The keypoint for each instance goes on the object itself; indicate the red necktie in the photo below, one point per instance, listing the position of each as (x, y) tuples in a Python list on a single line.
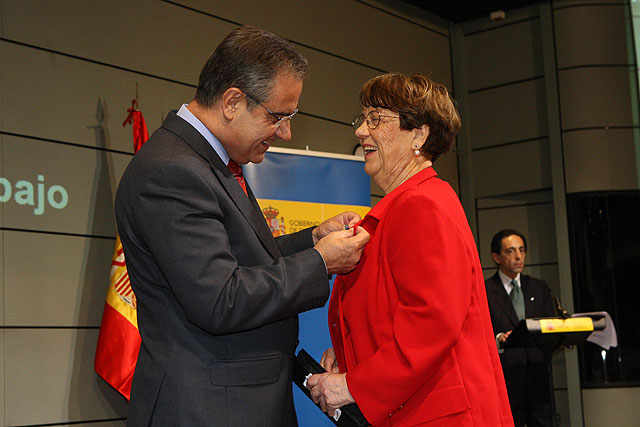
[(236, 170)]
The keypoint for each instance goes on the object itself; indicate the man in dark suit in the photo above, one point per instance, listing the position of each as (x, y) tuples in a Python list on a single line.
[(513, 296), (218, 296)]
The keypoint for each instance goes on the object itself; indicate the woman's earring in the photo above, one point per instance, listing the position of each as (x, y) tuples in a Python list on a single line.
[(416, 152)]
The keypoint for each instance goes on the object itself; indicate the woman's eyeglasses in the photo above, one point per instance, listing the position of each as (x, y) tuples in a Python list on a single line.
[(372, 118)]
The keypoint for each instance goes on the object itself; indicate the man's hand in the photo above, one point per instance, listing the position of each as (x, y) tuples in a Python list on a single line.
[(330, 391), (502, 336), (329, 361), (336, 223), (341, 250)]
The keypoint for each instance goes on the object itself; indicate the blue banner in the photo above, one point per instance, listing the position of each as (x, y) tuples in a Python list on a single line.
[(297, 189)]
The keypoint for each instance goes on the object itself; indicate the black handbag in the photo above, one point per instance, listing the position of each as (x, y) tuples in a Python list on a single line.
[(303, 366)]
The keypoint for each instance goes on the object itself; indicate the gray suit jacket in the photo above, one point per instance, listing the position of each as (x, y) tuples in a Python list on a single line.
[(218, 297)]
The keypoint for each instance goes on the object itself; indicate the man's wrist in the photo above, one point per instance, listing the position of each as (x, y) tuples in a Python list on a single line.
[(323, 261), (314, 235)]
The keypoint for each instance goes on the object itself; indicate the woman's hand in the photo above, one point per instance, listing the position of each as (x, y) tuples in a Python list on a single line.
[(329, 361), (330, 391), (336, 223)]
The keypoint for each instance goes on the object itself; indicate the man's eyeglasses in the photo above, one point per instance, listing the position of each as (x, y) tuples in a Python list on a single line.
[(372, 118), (280, 118)]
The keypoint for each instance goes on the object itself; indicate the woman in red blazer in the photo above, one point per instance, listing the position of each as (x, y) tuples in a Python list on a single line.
[(410, 326)]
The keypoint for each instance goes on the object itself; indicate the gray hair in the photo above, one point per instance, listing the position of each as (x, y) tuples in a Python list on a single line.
[(248, 58)]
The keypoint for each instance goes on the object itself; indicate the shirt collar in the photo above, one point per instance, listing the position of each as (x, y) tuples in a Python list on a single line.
[(188, 116), (506, 281)]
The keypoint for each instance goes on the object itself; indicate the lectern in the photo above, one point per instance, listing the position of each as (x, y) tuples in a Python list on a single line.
[(550, 333)]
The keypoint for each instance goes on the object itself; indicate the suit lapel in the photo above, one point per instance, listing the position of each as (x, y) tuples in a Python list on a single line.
[(503, 300), (529, 298), (248, 206)]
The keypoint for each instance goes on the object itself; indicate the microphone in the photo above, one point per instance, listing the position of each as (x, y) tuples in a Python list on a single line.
[(559, 307)]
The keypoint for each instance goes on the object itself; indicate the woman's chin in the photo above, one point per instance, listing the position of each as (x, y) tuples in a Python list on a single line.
[(370, 170)]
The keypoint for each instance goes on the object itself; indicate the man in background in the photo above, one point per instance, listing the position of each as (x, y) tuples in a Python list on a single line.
[(218, 296), (513, 296)]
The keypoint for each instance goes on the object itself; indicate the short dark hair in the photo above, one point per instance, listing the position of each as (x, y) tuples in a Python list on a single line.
[(248, 58), (496, 242), (418, 101)]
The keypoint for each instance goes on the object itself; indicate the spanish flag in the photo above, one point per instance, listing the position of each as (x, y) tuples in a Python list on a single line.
[(119, 339)]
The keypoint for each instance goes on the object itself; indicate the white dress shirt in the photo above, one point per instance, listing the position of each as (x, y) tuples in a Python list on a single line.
[(188, 116)]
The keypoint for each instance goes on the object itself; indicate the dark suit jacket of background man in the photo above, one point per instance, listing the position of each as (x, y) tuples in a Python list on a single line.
[(217, 337), (523, 368)]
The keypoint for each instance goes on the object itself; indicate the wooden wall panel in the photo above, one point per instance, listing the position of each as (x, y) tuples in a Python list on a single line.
[(49, 378), (512, 168), (486, 53), (55, 280), (507, 114)]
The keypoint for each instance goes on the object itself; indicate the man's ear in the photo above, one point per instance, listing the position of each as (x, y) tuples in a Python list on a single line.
[(230, 102), (496, 257)]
